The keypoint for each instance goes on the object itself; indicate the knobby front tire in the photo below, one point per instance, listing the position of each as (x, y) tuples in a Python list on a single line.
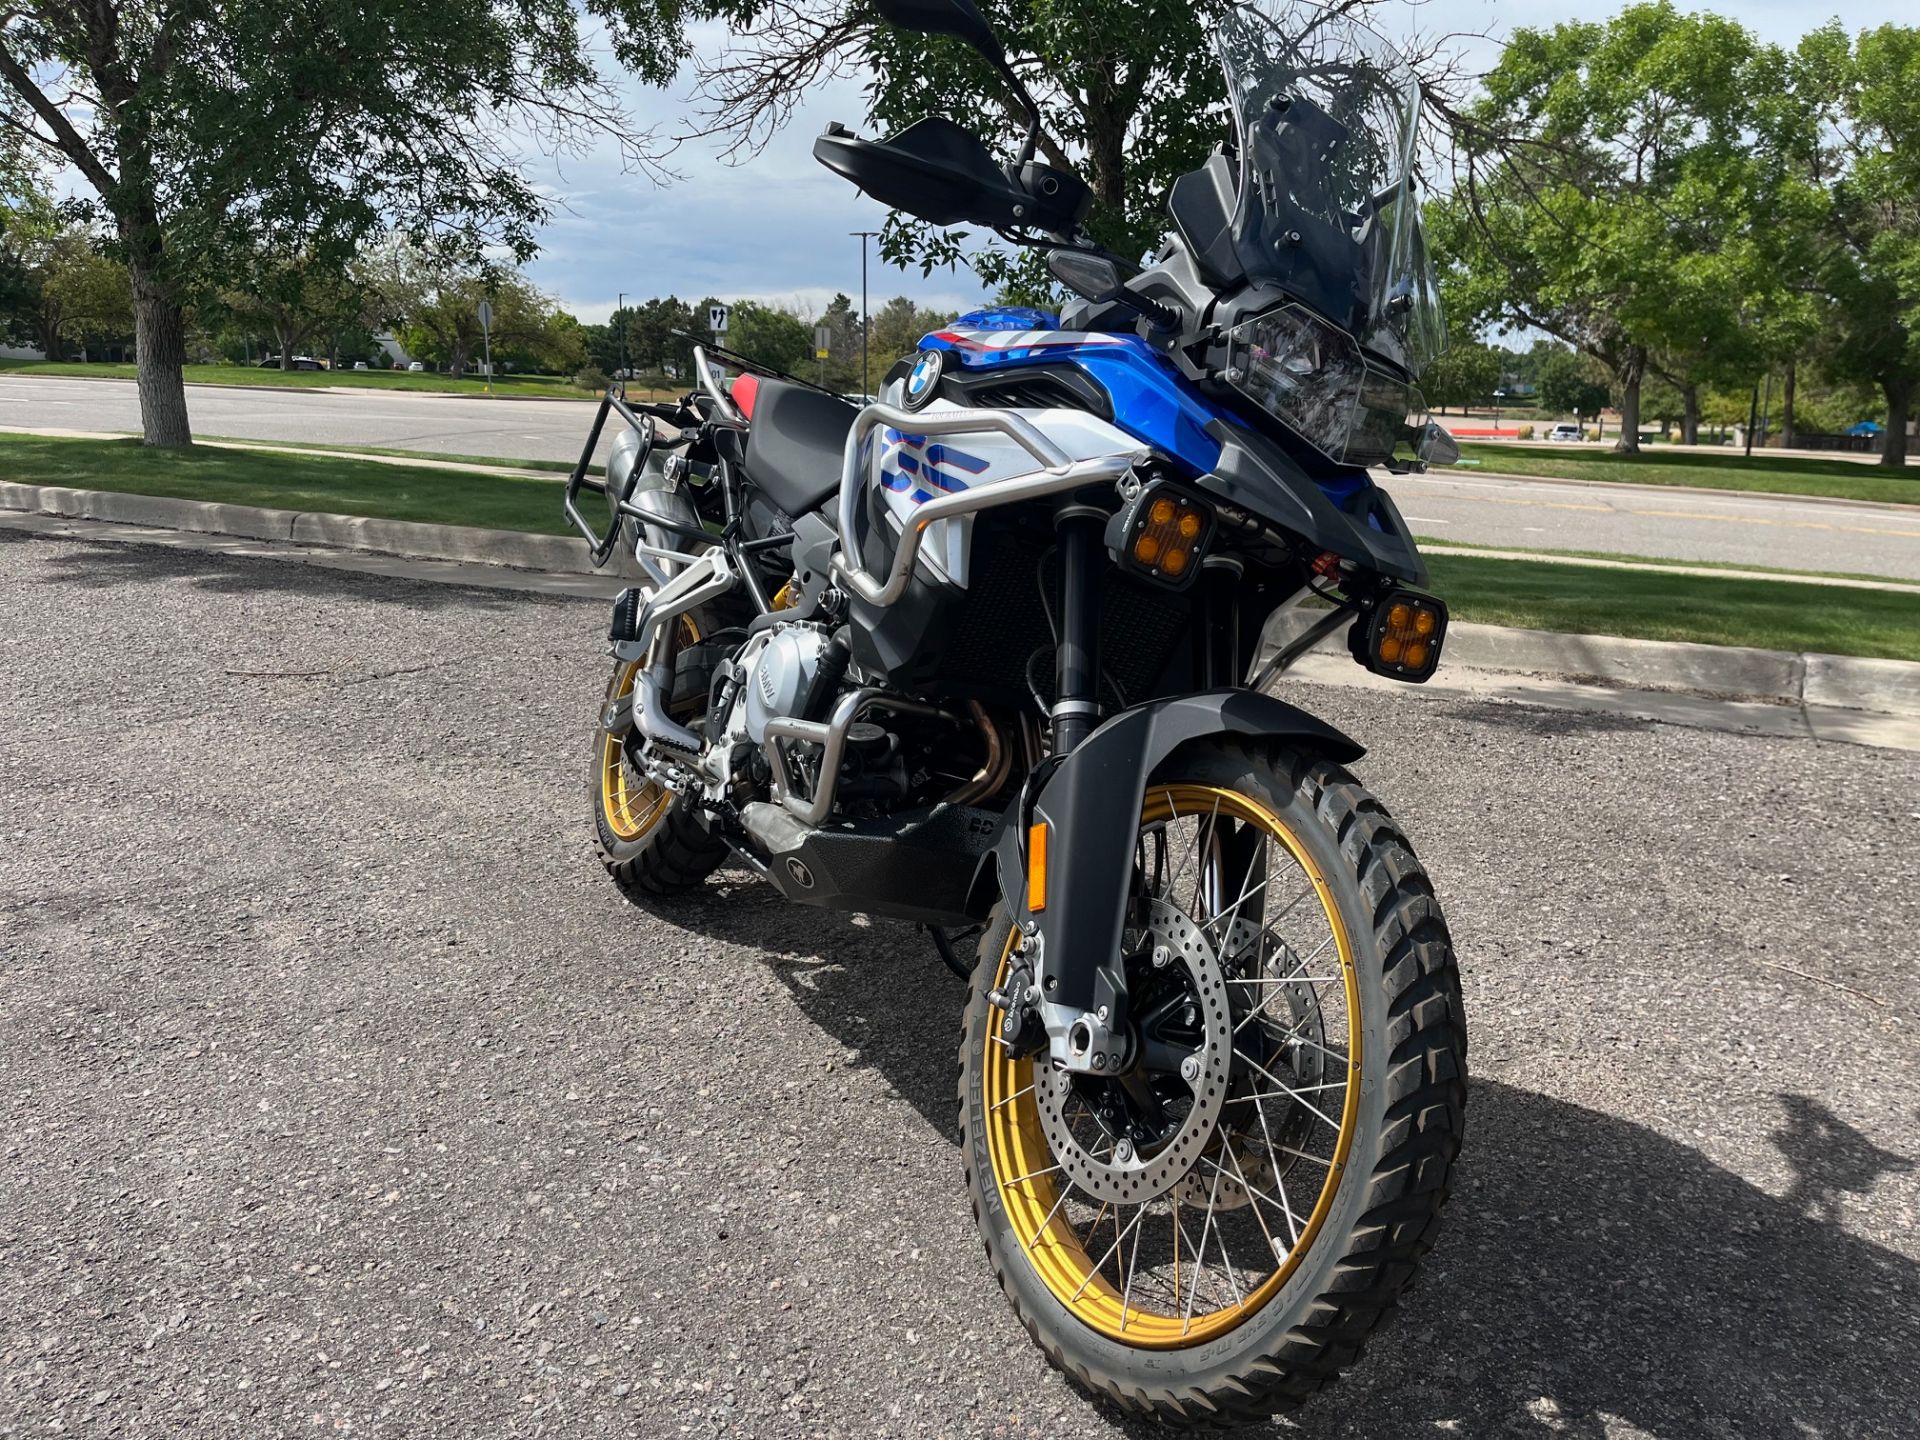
[(1366, 1148)]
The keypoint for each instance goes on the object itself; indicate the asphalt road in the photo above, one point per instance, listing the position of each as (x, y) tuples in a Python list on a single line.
[(1479, 509), (1667, 524), (345, 1096), (453, 424)]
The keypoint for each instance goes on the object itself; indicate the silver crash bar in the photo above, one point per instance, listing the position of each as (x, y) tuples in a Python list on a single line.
[(1062, 472)]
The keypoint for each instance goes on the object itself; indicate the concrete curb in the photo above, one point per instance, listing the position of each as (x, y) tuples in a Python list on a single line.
[(1826, 682), (1886, 687), (470, 545)]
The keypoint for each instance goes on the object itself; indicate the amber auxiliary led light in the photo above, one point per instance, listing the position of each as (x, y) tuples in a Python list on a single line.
[(1401, 638), (1161, 534)]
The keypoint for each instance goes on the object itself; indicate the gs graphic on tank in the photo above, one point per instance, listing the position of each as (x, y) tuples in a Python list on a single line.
[(996, 655)]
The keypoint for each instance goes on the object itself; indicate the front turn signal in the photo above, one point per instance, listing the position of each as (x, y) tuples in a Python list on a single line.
[(1401, 637)]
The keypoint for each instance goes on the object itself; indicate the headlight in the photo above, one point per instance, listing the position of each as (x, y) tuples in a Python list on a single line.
[(1311, 376)]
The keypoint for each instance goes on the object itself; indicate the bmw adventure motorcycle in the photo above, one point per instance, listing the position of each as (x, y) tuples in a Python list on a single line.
[(993, 655)]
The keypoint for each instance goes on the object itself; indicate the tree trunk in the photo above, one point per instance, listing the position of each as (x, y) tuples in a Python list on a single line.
[(50, 343), (1630, 371), (457, 359), (160, 333), (1788, 439), (1690, 415), (1893, 448)]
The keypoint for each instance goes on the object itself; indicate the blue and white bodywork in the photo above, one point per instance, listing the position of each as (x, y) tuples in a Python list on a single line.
[(1153, 409)]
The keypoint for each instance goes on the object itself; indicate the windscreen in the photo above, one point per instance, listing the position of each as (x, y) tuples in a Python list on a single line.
[(1326, 114)]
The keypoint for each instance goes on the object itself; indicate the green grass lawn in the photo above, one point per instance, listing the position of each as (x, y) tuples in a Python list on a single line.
[(1770, 614), (1770, 474), (288, 482), (542, 387)]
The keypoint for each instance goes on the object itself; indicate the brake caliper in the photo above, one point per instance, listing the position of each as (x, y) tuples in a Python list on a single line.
[(1021, 1031)]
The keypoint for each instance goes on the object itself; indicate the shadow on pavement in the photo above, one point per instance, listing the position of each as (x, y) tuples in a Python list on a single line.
[(104, 564), (1593, 1274)]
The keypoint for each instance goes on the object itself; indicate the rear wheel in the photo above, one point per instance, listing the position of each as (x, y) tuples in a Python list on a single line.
[(1212, 1235), (652, 842)]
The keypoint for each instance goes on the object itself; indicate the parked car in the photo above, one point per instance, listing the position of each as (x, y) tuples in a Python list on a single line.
[(415, 368), (361, 365), (1566, 434)]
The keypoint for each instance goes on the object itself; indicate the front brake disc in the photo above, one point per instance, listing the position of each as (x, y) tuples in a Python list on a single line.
[(1123, 1174)]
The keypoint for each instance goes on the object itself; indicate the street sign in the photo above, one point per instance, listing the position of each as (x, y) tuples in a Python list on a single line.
[(486, 315), (717, 319), (822, 341)]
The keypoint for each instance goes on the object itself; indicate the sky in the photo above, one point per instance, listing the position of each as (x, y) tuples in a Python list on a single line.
[(776, 227)]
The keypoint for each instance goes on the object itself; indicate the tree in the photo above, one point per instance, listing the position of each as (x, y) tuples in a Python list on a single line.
[(1466, 373), (1603, 173), (775, 338), (294, 299), (844, 371), (1856, 141), (1569, 385), (1131, 97), (59, 284), (899, 326), (434, 297), (196, 124)]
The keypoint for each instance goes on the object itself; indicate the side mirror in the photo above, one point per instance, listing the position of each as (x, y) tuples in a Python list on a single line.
[(958, 18), (1436, 446), (1091, 277)]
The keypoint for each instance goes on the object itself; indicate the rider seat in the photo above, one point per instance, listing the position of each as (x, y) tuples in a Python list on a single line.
[(795, 440)]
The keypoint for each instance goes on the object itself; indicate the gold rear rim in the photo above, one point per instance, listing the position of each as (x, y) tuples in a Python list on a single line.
[(1174, 1271), (630, 803)]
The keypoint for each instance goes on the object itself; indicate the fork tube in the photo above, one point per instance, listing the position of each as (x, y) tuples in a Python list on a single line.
[(1076, 663)]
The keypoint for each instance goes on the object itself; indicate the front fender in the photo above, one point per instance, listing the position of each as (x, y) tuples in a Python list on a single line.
[(1091, 804)]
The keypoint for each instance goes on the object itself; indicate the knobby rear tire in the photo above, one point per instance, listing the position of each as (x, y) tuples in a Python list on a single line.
[(1386, 1210), (678, 849)]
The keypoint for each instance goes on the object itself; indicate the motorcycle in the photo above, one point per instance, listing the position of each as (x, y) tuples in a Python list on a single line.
[(989, 655)]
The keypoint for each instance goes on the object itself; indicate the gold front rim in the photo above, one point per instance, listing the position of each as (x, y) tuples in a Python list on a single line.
[(1080, 1249), (630, 804)]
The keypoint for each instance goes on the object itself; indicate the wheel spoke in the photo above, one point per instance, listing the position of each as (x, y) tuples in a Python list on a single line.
[(1058, 1202), (1008, 1100), (1292, 1094), (1099, 1264), (1033, 1175)]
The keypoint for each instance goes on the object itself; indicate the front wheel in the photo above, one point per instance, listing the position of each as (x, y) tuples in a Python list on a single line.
[(1212, 1235)]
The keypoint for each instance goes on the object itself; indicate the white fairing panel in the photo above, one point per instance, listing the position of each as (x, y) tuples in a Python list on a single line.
[(907, 470)]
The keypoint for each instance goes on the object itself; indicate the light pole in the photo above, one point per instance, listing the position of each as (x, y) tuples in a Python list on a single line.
[(866, 377), (619, 313)]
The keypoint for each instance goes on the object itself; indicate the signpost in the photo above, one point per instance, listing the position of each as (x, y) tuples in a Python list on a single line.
[(822, 348), (486, 339)]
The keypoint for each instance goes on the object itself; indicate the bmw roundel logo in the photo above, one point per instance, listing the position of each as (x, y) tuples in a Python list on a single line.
[(924, 379)]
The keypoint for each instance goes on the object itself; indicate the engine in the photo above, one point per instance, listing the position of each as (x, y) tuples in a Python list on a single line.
[(779, 680)]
